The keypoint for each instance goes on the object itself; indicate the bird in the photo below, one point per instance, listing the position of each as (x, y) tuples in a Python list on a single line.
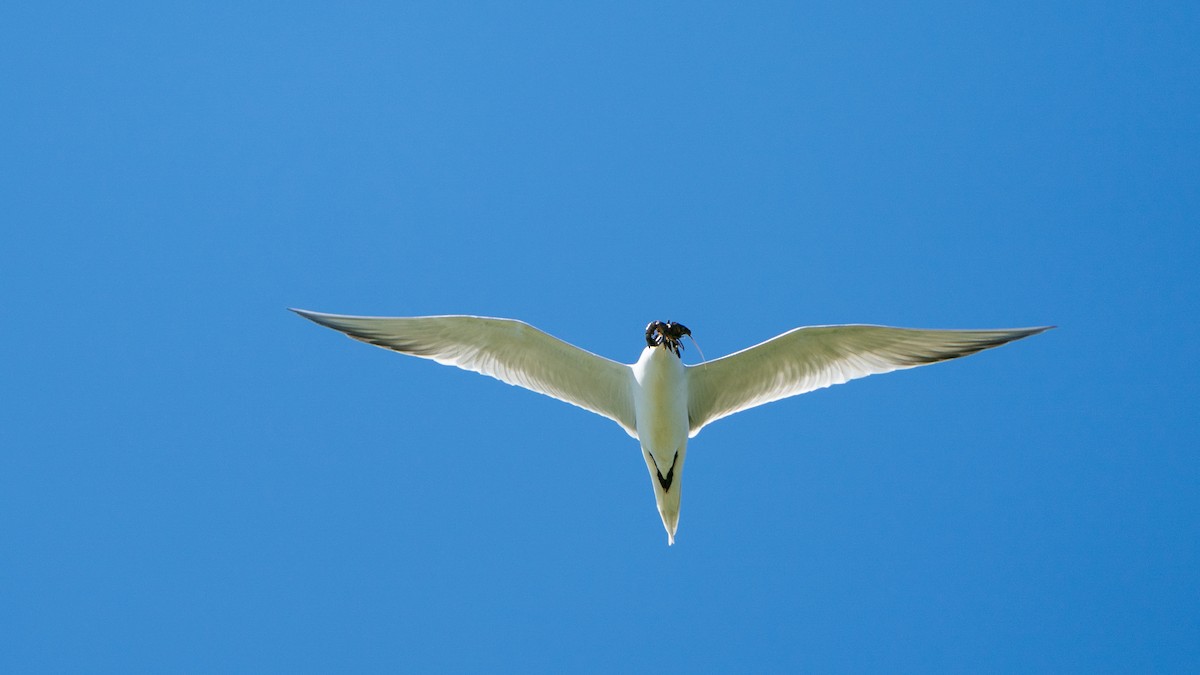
[(658, 400)]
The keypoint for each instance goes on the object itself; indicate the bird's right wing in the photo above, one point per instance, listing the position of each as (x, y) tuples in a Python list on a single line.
[(805, 359), (508, 350)]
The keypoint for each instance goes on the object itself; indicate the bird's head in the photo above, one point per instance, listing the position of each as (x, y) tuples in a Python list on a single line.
[(666, 334)]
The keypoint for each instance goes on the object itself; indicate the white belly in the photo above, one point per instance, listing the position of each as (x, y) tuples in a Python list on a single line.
[(660, 400)]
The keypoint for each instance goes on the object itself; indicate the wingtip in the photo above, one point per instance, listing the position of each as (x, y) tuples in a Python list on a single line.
[(1020, 333)]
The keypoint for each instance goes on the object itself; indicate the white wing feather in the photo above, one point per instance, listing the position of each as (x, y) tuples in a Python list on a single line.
[(814, 357), (508, 350)]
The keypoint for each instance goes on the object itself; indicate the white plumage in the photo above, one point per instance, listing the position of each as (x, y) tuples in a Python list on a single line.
[(659, 400)]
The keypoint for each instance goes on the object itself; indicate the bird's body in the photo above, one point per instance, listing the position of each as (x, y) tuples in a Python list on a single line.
[(659, 400), (661, 406)]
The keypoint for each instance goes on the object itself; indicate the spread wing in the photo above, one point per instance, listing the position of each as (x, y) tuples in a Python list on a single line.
[(508, 350), (814, 357)]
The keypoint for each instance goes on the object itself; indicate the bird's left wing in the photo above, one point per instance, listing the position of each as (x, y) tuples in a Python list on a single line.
[(805, 359), (510, 351)]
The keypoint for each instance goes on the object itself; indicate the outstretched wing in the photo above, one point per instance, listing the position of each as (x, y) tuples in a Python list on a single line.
[(508, 350), (814, 357)]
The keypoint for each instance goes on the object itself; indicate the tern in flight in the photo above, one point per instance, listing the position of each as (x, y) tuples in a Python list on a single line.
[(658, 400)]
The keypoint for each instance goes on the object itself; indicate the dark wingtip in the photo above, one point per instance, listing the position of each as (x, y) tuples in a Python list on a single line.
[(317, 318), (1022, 333), (310, 315)]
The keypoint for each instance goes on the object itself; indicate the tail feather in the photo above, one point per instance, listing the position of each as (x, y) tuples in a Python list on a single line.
[(667, 493)]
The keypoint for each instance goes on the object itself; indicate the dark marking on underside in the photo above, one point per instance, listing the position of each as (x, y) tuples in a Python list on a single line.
[(965, 348), (410, 348), (670, 477)]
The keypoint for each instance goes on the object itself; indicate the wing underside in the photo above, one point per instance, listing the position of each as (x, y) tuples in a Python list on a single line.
[(508, 350), (810, 358)]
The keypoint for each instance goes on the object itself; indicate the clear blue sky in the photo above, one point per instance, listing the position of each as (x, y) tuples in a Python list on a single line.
[(194, 479)]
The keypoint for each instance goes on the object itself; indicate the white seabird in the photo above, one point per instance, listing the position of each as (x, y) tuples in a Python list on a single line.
[(659, 400)]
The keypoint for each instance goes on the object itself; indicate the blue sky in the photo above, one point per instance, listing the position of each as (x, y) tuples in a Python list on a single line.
[(192, 479)]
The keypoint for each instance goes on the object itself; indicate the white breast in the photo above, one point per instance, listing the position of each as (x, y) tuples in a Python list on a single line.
[(661, 403)]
